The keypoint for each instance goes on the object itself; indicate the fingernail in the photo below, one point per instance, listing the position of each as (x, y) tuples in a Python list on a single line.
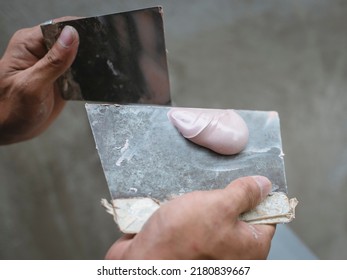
[(67, 36), (264, 185)]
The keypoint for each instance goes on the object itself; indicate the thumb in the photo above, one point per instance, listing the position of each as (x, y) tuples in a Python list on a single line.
[(247, 192), (59, 58)]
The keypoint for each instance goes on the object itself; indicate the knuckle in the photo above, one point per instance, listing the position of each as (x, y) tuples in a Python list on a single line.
[(53, 59), (18, 85), (26, 90), (5, 89), (249, 192), (17, 42), (20, 33), (243, 194), (21, 36)]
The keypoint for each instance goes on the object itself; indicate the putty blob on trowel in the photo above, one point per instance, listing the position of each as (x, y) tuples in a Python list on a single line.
[(222, 131)]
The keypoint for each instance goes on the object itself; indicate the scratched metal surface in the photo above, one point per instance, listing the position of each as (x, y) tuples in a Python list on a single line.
[(143, 154)]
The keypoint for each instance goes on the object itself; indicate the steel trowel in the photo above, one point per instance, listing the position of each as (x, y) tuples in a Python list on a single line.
[(121, 58)]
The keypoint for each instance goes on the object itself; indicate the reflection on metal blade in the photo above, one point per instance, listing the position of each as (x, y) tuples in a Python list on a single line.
[(121, 58)]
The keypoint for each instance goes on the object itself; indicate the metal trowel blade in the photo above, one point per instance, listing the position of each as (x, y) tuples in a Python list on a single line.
[(141, 150), (121, 58)]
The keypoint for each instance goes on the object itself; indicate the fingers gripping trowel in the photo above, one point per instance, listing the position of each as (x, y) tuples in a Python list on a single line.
[(122, 59)]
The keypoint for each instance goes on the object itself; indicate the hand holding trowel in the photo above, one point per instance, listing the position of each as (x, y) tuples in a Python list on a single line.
[(122, 59)]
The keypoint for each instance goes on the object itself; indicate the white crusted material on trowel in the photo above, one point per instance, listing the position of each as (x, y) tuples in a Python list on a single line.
[(276, 208), (131, 214), (108, 206)]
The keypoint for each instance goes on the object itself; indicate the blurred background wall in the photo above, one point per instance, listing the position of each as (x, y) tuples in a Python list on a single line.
[(288, 56)]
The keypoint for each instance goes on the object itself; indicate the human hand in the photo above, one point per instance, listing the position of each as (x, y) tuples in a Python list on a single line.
[(203, 225), (29, 98)]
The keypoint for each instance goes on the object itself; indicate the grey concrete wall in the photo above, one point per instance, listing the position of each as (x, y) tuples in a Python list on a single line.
[(288, 56)]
